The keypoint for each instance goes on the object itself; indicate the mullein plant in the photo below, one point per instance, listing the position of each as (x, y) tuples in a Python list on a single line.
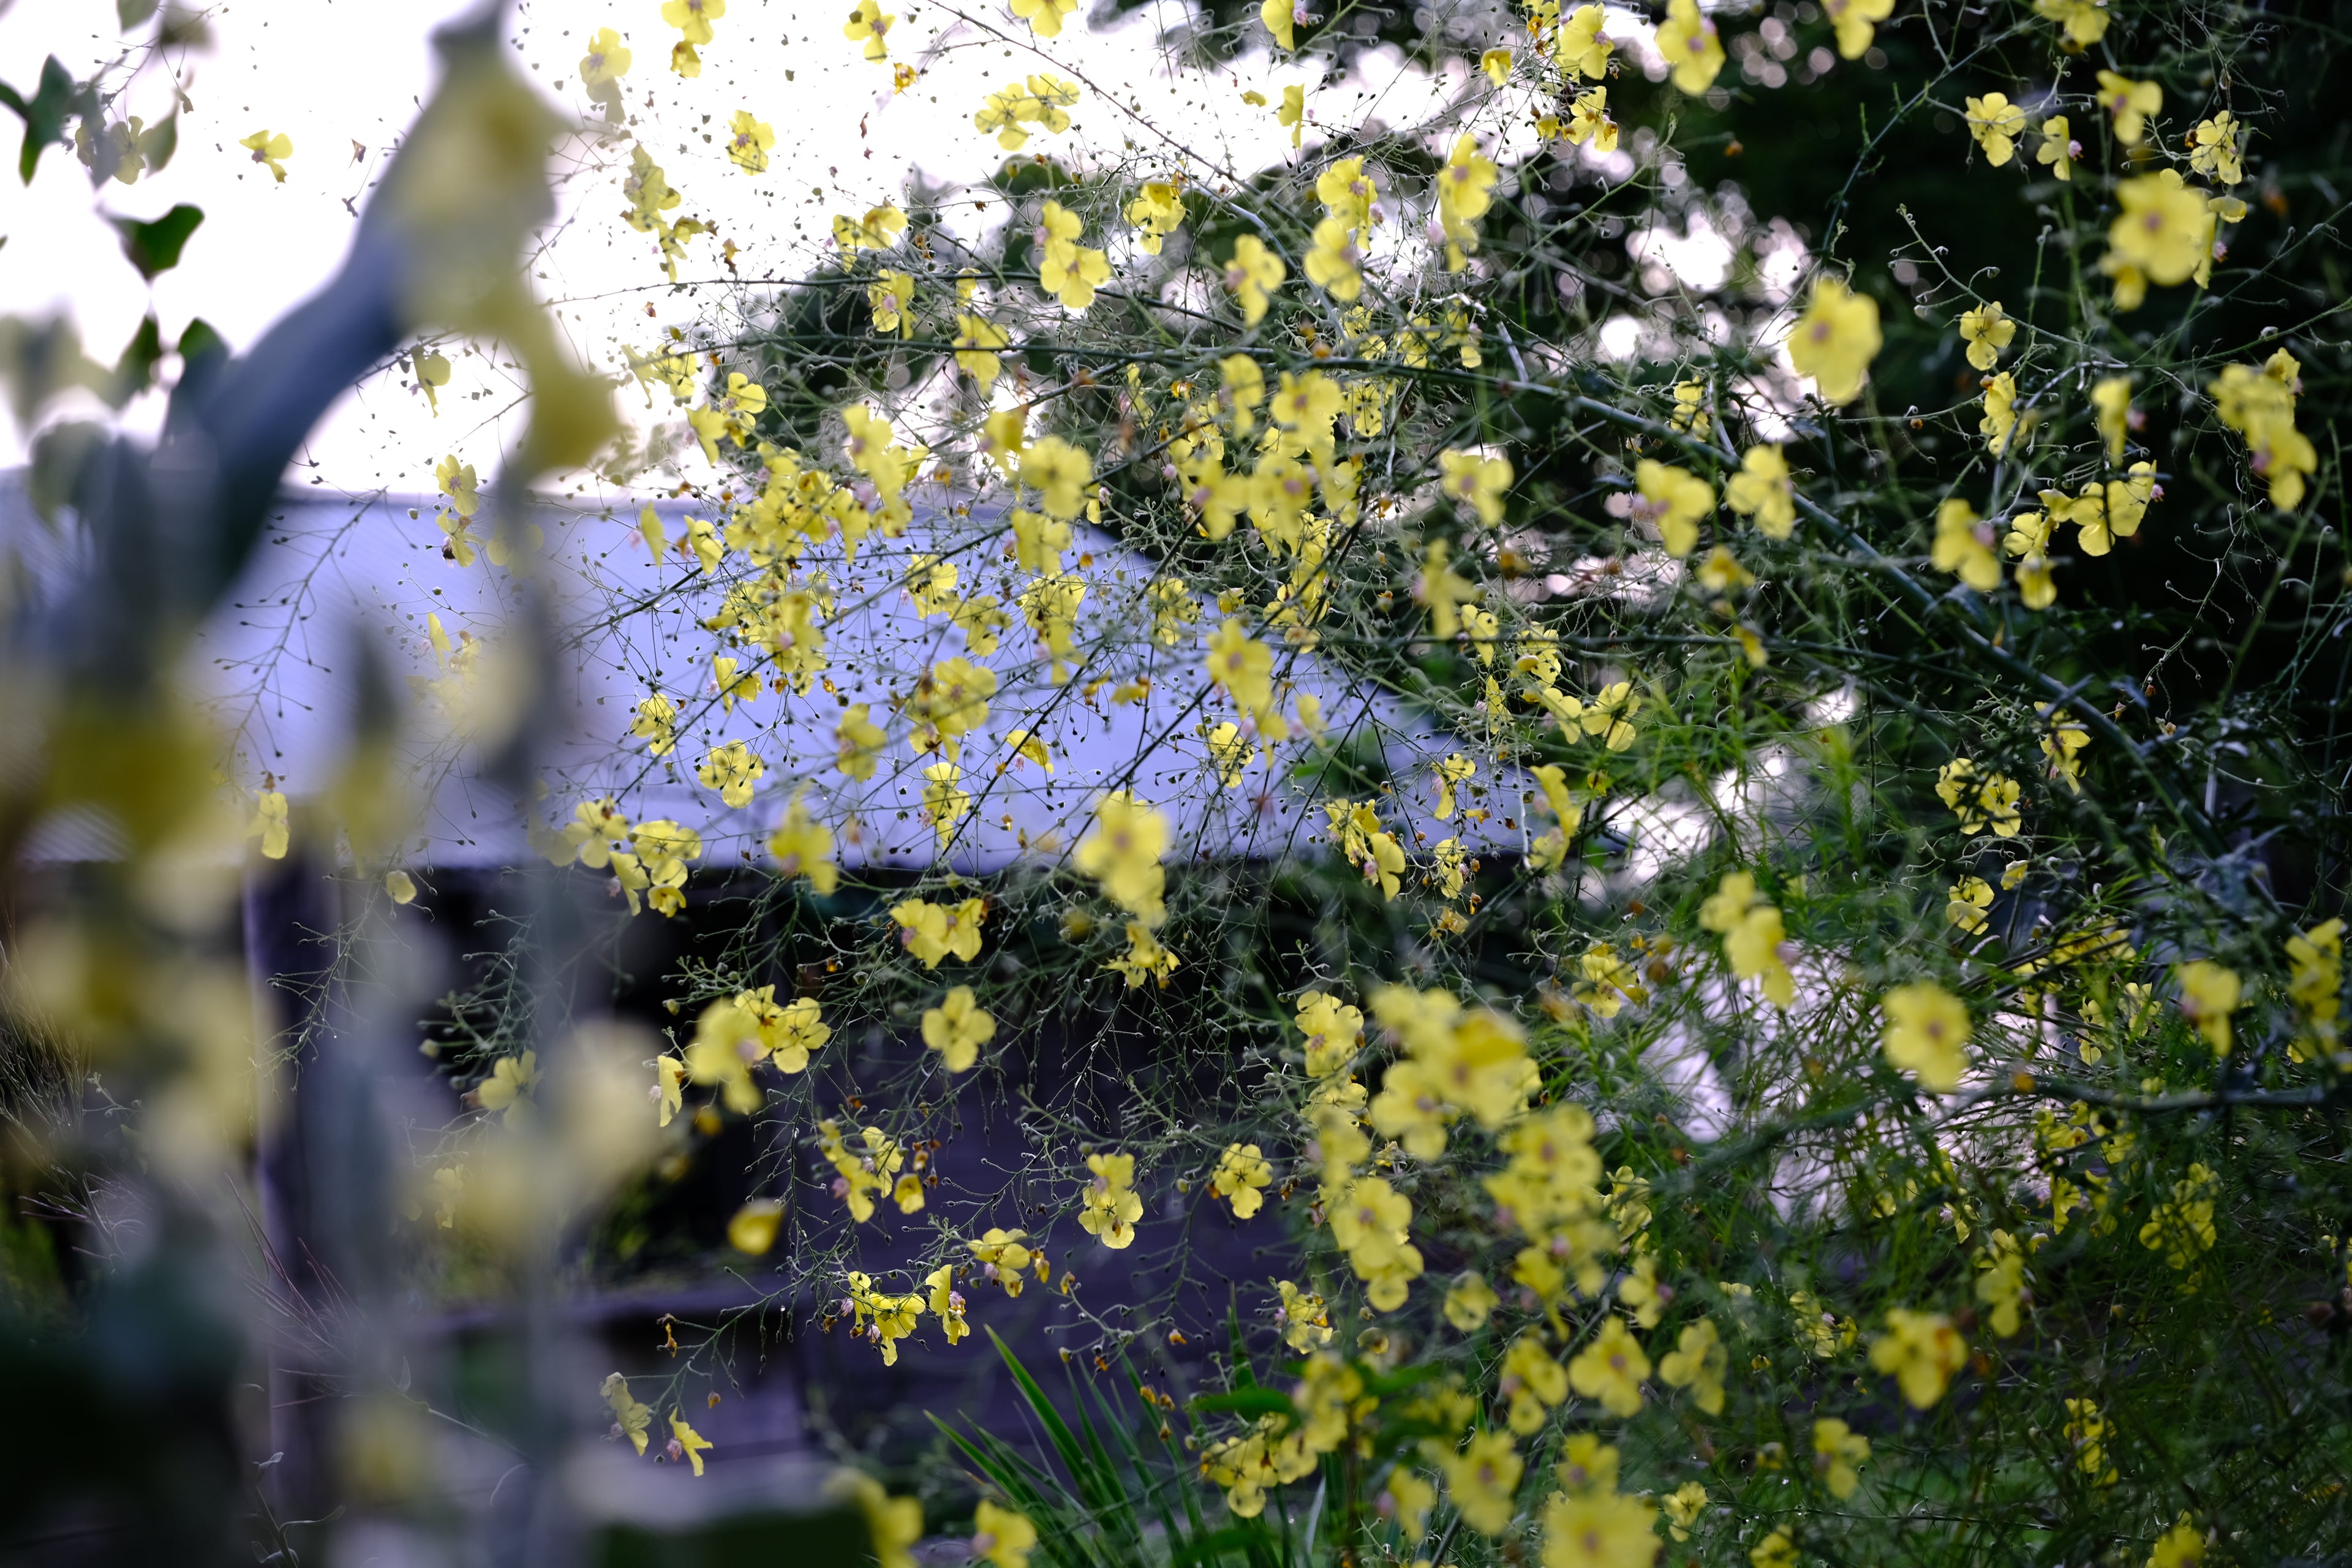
[(1833, 1052)]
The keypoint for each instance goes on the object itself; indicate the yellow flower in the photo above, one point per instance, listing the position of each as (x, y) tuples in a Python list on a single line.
[(268, 148), (2315, 983), (1532, 1382), (1240, 1178), (1996, 124), (1061, 473), (2061, 744), (1752, 935), (1145, 959), (2059, 149), (748, 144), (1611, 1369), (1986, 330), (269, 824), (2164, 229), (1108, 1204), (1856, 22), (1927, 1033), (685, 1442), (1698, 1363), (1688, 41), (1465, 187), (1580, 48), (1837, 1449), (1684, 1505), (1921, 1351), (1762, 489), (1291, 111), (945, 802), (877, 230), (2259, 405), (888, 296), (958, 1028), (1252, 272), (693, 18), (932, 931), (2131, 103), (630, 1415), (1050, 607), (2182, 1546), (752, 1231), (1044, 17), (1588, 120), (1453, 770), (1674, 499), (1069, 271), (1599, 1530), (656, 721), (1122, 853), (1470, 1302), (2036, 586), (1333, 1030), (1981, 801), (1334, 264), (1003, 1537), (2000, 412), (510, 1084), (1963, 546), (868, 22), (977, 344), (1588, 1467), (1483, 1479), (2214, 150), (1242, 666), (2085, 21), (1157, 212), (600, 70), (1775, 1551), (1835, 339), (1478, 482), (1970, 899), (2209, 995), (856, 739), (732, 771)]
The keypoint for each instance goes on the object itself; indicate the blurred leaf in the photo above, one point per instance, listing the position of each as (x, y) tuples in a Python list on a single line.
[(59, 456), (154, 247), (132, 12), (44, 113), (134, 372), (158, 142), (200, 340), (39, 361)]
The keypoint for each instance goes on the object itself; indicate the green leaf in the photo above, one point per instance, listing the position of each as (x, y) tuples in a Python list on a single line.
[(154, 247), (44, 115), (201, 341), (132, 12), (158, 142), (134, 372)]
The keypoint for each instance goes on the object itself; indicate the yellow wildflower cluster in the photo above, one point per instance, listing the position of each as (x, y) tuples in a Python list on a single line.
[(1041, 101), (860, 1175), (2260, 407)]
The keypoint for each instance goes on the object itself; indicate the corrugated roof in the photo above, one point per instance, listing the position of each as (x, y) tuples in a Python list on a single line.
[(281, 659)]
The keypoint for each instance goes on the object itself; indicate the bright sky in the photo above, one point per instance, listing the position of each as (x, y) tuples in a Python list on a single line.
[(344, 79)]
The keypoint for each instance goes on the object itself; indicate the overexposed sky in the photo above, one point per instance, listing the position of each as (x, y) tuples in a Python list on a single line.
[(344, 78)]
